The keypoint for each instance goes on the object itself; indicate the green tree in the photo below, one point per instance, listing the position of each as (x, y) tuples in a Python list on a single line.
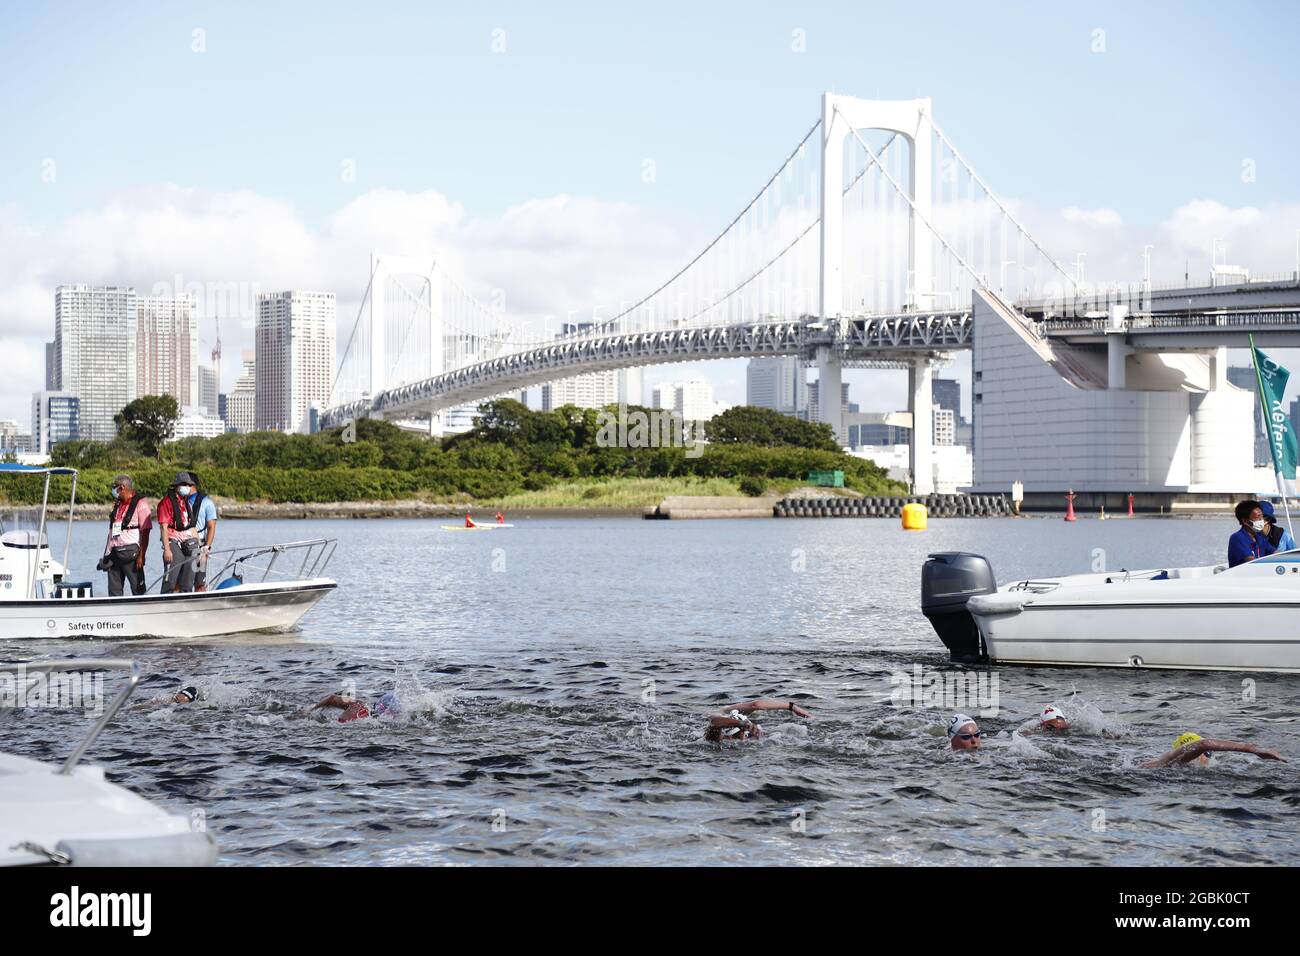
[(747, 425), (148, 422)]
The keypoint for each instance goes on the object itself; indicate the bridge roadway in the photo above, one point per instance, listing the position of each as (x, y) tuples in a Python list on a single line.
[(1171, 320), (876, 339)]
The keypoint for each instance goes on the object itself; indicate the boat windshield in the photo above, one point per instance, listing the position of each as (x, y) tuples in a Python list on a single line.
[(21, 528)]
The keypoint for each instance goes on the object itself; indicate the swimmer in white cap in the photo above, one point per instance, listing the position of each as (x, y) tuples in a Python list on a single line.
[(734, 723), (1050, 720), (1190, 747), (964, 733)]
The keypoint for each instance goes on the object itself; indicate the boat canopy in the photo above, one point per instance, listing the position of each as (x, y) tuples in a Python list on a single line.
[(9, 467)]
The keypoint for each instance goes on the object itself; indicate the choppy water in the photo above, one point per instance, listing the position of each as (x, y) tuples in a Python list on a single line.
[(556, 678)]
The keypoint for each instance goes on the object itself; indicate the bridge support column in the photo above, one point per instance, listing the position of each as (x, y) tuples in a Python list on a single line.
[(921, 405), (830, 376), (1117, 350)]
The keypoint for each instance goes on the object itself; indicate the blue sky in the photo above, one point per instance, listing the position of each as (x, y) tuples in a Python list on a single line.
[(584, 92), (117, 99)]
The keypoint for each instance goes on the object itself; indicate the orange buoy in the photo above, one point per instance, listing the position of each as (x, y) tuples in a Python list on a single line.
[(1130, 505), (1069, 506)]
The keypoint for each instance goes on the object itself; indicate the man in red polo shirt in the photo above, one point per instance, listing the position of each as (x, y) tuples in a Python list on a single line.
[(180, 541)]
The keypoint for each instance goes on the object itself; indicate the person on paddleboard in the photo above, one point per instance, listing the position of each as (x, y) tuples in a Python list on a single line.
[(733, 723), (1193, 747), (469, 522), (501, 518)]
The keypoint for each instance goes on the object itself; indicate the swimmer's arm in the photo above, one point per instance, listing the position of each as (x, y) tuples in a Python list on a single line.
[(333, 700), (1207, 746), (764, 703)]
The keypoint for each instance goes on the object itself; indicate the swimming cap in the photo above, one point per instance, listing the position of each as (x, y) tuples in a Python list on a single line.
[(957, 723), (1051, 712), (388, 704), (191, 694), (746, 724), (1186, 739)]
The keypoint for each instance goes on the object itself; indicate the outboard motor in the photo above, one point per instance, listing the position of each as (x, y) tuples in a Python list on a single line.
[(948, 580)]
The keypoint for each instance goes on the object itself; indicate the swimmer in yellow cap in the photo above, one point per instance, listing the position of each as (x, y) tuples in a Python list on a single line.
[(1189, 747)]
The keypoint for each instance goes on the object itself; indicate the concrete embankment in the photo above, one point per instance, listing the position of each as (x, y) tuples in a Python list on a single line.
[(685, 506)]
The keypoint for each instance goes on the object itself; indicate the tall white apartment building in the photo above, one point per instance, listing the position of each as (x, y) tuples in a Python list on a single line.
[(294, 358), (241, 402), (777, 383), (692, 399), (945, 426), (208, 389), (167, 347), (95, 330), (592, 390)]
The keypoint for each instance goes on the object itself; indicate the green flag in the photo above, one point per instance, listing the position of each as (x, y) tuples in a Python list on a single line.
[(1272, 379)]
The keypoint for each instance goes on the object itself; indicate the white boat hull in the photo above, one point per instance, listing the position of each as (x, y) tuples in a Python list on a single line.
[(248, 607), (1245, 618), (89, 820)]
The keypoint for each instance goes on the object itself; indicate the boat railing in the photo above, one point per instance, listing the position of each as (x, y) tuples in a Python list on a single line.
[(243, 563), (22, 671), (1037, 587)]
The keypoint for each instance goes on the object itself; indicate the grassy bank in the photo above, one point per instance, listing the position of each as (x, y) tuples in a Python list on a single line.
[(623, 492)]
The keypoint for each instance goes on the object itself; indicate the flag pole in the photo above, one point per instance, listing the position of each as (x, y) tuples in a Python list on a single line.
[(1263, 405)]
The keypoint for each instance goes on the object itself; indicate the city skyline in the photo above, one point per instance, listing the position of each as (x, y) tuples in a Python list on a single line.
[(594, 213)]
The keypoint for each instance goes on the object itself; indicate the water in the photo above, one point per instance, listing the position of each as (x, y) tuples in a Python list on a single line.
[(556, 678)]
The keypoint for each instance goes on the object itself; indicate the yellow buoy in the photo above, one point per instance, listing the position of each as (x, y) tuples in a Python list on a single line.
[(914, 517)]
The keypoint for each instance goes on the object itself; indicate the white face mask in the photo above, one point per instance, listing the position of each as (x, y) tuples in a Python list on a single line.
[(1260, 525), (184, 491)]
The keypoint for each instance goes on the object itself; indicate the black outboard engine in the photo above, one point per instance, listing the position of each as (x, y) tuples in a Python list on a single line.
[(948, 580)]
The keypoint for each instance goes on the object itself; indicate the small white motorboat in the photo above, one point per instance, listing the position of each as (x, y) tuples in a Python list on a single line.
[(260, 588), (1198, 618), (71, 815)]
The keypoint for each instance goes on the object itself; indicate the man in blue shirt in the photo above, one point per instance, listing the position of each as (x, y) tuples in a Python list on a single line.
[(1250, 541), (1278, 536), (205, 523)]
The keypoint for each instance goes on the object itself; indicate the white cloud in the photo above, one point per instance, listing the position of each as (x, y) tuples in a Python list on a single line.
[(552, 256)]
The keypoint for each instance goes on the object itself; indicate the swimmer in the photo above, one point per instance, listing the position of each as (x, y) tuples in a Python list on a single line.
[(354, 709), (964, 733), (734, 723), (186, 695), (1050, 720), (1191, 747)]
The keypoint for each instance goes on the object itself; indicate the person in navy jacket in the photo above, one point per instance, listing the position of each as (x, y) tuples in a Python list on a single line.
[(1250, 541)]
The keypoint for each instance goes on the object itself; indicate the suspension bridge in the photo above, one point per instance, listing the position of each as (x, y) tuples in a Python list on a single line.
[(867, 247)]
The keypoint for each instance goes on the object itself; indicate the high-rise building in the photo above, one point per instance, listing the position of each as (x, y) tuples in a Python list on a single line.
[(13, 439), (95, 331), (691, 399), (813, 412), (208, 385), (946, 393), (167, 341), (945, 426), (295, 358), (590, 390), (241, 403), (1243, 376), (56, 417), (777, 383)]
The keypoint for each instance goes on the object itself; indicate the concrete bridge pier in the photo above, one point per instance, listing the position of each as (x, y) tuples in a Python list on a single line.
[(921, 404), (830, 375)]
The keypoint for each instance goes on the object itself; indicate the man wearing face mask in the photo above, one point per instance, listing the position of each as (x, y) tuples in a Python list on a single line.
[(1250, 541), (1278, 536), (180, 540), (129, 523)]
